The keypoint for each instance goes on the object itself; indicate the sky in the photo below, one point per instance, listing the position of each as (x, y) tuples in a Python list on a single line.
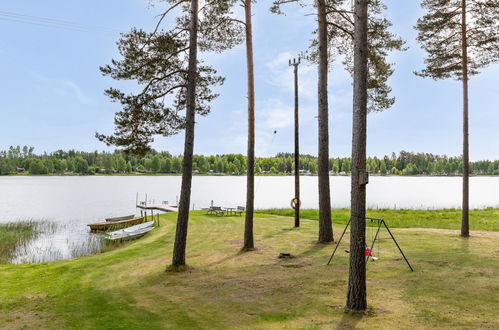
[(52, 94)]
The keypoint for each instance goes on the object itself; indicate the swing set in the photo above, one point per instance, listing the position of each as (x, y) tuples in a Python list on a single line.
[(378, 223)]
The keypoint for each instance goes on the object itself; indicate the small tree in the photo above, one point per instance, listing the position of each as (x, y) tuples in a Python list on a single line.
[(461, 37)]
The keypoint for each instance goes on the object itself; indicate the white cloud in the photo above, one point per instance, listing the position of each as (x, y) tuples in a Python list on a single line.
[(280, 74), (63, 88), (274, 113), (77, 92)]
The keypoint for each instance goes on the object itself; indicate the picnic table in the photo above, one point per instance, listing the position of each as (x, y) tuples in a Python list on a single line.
[(218, 210), (230, 210)]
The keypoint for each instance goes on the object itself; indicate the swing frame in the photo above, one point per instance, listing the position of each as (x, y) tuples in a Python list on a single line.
[(381, 222)]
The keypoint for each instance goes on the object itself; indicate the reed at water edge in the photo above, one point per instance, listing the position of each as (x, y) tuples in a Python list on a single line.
[(14, 235)]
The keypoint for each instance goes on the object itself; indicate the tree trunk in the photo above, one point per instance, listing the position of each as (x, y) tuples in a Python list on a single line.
[(357, 273), (250, 186), (465, 227), (185, 192), (297, 152), (325, 225)]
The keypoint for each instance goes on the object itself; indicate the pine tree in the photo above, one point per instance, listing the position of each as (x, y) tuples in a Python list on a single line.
[(250, 171), (356, 298), (334, 40), (460, 37), (167, 65)]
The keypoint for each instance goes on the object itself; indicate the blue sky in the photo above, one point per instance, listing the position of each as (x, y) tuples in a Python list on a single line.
[(52, 91)]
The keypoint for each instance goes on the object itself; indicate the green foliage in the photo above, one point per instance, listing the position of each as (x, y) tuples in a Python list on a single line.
[(381, 42), (81, 165), (37, 167), (406, 163), (440, 35), (158, 61)]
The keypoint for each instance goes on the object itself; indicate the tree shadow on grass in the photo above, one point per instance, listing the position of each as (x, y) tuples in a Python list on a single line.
[(315, 247), (350, 320)]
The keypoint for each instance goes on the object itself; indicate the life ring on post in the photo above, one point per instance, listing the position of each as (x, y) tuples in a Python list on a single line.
[(295, 202)]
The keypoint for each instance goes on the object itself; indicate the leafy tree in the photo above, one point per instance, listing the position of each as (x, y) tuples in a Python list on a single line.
[(121, 164), (129, 168), (81, 165), (38, 167), (382, 168), (460, 37)]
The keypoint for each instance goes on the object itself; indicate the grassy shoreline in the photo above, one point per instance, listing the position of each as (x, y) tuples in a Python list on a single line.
[(486, 219), (451, 286)]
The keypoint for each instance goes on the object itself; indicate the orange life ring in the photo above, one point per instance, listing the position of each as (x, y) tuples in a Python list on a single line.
[(294, 203)]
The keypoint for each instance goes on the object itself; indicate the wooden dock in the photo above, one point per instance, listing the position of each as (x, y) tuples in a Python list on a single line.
[(158, 207)]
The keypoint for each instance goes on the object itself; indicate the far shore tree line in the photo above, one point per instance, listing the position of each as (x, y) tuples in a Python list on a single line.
[(24, 160)]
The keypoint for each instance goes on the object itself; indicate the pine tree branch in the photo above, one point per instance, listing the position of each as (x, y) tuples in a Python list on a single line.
[(154, 60), (158, 79), (236, 20), (170, 90), (339, 27), (342, 14), (162, 16)]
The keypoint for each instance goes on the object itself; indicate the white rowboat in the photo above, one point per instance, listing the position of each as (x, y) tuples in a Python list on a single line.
[(131, 232)]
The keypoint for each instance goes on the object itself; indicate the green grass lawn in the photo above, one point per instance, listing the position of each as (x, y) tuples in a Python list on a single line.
[(480, 219), (455, 283)]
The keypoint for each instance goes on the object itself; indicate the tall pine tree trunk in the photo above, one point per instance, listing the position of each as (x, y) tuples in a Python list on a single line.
[(325, 226), (356, 299), (465, 227), (250, 186), (185, 192)]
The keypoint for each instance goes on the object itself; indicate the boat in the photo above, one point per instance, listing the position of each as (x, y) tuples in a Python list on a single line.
[(132, 228), (108, 225), (126, 217), (129, 235)]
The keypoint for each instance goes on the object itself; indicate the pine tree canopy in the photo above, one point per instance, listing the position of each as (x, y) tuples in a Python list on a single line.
[(440, 35), (381, 41), (158, 62)]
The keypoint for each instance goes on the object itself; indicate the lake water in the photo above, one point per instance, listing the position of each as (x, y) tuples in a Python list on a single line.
[(74, 202)]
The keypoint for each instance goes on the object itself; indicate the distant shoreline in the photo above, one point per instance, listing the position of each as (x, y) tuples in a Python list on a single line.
[(233, 175)]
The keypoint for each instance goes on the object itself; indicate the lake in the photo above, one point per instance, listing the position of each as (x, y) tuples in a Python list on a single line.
[(72, 202)]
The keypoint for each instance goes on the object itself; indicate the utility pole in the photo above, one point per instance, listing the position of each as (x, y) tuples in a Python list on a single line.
[(296, 201)]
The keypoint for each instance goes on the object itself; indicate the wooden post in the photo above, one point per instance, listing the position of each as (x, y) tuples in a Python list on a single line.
[(295, 64)]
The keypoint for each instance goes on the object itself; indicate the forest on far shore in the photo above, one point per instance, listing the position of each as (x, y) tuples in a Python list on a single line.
[(18, 160)]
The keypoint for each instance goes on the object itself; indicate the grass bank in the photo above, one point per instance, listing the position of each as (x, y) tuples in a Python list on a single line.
[(454, 284), (480, 219), (14, 234)]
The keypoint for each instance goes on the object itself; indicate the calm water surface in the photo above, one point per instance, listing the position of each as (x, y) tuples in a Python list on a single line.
[(74, 202)]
